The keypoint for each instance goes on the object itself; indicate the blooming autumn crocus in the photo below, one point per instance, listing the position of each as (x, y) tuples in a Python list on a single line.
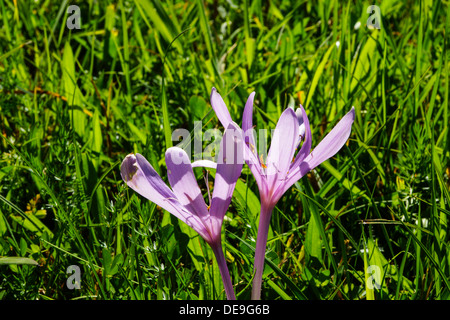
[(284, 165), (185, 200)]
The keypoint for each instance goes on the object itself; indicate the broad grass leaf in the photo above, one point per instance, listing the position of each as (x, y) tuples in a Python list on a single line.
[(72, 92), (197, 107), (17, 261)]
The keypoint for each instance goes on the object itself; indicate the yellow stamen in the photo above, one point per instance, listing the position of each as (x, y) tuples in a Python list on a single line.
[(262, 162), (252, 147)]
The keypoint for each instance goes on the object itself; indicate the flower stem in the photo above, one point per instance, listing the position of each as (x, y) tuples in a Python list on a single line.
[(260, 251), (225, 274)]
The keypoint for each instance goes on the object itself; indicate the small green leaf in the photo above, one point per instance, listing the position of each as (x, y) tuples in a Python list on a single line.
[(313, 243), (106, 260), (198, 107), (17, 260)]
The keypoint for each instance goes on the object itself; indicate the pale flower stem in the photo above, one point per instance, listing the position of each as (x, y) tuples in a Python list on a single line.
[(260, 251), (224, 273)]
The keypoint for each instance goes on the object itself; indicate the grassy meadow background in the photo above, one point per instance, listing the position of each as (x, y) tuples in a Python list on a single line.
[(74, 103)]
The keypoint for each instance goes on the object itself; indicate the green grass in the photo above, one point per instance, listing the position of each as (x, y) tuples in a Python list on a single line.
[(74, 103)]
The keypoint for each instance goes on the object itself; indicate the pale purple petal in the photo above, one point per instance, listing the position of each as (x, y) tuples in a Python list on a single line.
[(229, 167), (255, 167), (220, 108), (247, 121), (327, 148), (299, 112), (250, 150), (140, 176), (184, 183), (204, 164), (291, 178), (282, 147)]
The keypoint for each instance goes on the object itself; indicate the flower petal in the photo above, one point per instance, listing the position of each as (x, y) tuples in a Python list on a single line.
[(184, 183), (247, 121), (220, 108), (204, 164), (229, 167), (327, 148), (304, 131), (250, 151), (282, 147), (332, 142), (140, 176)]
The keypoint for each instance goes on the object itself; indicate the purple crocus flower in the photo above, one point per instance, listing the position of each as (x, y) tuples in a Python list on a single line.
[(185, 200), (283, 167)]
